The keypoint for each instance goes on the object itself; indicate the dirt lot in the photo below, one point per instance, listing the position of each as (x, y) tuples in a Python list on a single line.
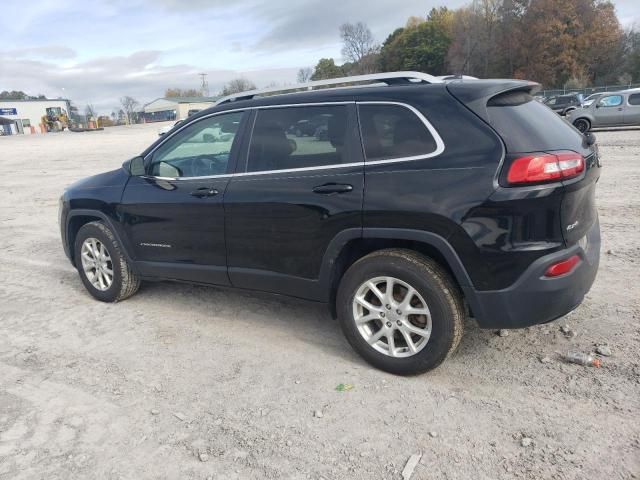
[(193, 383)]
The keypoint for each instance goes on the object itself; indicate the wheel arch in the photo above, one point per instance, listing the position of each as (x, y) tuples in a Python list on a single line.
[(77, 218), (373, 239)]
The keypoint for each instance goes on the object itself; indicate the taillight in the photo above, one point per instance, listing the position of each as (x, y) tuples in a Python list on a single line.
[(562, 267), (545, 167)]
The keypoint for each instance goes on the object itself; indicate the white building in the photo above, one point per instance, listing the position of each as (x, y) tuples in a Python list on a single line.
[(175, 108), (26, 115)]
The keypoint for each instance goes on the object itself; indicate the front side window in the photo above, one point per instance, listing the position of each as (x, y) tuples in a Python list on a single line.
[(634, 99), (393, 131), (201, 149), (298, 137), (611, 101)]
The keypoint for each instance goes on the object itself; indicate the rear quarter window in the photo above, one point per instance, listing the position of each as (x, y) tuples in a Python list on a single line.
[(529, 126), (634, 99), (394, 132)]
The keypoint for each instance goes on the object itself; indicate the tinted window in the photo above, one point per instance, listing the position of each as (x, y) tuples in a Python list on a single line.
[(634, 99), (201, 149), (298, 137), (611, 101), (393, 131), (530, 126)]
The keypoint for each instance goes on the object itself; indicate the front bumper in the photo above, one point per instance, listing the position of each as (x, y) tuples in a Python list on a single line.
[(535, 299)]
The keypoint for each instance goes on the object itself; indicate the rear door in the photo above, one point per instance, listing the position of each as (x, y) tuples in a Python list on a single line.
[(609, 111), (292, 196), (174, 215), (632, 110)]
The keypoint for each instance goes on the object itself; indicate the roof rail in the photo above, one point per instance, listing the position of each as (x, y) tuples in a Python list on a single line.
[(390, 78)]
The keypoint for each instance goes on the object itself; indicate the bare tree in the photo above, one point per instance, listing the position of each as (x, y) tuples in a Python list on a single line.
[(90, 111), (357, 42), (238, 85), (304, 74), (129, 105)]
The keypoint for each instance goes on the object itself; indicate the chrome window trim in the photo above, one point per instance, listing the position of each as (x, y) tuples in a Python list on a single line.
[(434, 133), (440, 147)]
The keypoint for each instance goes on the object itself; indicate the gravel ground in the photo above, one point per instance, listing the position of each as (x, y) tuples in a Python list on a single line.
[(194, 383)]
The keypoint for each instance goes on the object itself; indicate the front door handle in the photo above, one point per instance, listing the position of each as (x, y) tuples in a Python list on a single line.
[(329, 188), (205, 192)]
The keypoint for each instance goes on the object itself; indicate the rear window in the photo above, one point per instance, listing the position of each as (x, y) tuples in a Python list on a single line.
[(392, 132), (634, 99), (529, 126), (298, 137)]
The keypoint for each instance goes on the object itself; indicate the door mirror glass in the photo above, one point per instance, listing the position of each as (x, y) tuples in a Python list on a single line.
[(136, 166)]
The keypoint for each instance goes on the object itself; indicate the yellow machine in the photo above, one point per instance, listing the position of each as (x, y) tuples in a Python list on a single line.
[(56, 119)]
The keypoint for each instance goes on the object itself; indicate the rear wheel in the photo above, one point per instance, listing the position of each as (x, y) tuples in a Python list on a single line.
[(400, 311), (102, 266), (582, 124)]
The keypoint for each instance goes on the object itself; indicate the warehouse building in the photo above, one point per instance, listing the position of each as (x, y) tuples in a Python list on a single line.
[(26, 116), (175, 108)]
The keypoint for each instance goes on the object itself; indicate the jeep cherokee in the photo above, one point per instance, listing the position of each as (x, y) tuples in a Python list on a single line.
[(423, 203)]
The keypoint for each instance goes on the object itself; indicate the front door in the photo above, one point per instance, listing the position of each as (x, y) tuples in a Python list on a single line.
[(174, 215), (296, 192), (609, 111)]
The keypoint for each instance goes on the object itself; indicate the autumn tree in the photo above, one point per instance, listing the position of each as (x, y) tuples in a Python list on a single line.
[(421, 45)]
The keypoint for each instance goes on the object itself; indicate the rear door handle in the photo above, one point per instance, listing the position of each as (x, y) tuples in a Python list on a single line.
[(329, 188), (205, 192)]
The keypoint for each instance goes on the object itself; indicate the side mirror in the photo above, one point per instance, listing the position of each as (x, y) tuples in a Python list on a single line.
[(135, 166)]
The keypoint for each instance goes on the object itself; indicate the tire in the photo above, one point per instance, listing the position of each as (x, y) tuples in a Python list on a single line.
[(124, 281), (582, 124), (433, 286)]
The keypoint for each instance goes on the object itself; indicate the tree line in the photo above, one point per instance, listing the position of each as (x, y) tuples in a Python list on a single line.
[(568, 43)]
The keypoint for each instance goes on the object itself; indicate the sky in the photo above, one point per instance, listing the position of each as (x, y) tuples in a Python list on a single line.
[(96, 51)]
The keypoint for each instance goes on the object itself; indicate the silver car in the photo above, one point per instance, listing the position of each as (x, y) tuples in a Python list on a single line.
[(612, 109)]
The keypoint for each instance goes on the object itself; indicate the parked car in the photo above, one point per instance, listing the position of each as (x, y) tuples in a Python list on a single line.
[(614, 109), (167, 128), (309, 126), (564, 104), (592, 98), (427, 201)]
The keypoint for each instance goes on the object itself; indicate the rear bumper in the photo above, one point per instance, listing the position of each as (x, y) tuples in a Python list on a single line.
[(534, 299)]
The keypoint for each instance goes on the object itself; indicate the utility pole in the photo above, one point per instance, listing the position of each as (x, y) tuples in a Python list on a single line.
[(204, 87)]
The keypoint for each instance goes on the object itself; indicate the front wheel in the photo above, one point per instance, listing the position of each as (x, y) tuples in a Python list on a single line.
[(401, 311), (102, 265), (582, 124)]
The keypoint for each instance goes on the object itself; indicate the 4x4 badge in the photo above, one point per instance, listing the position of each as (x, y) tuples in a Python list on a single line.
[(573, 225)]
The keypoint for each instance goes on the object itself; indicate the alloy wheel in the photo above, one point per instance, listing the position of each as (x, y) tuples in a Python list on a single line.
[(392, 316), (97, 264)]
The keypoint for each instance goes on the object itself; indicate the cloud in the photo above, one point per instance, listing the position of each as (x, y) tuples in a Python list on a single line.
[(51, 51), (102, 81)]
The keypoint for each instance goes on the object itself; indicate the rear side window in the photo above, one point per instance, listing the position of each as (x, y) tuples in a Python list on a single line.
[(298, 137), (529, 126), (634, 99), (393, 131)]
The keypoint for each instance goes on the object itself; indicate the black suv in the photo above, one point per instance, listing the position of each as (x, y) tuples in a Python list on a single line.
[(564, 104), (424, 203)]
